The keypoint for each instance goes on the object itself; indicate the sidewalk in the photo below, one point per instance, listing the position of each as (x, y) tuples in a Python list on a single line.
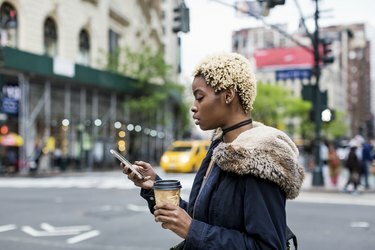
[(328, 187), (105, 178)]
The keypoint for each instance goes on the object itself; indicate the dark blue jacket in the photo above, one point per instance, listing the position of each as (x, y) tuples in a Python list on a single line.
[(233, 211)]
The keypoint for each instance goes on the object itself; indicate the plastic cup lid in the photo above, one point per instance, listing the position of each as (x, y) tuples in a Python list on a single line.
[(167, 184)]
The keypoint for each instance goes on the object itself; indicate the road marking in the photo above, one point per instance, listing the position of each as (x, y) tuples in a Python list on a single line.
[(8, 227), (49, 228), (83, 237), (36, 233), (360, 224)]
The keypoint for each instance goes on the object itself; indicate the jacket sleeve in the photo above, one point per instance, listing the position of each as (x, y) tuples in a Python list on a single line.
[(264, 221), (148, 195)]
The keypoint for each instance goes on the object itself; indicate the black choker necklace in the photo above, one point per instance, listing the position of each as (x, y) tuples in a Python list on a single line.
[(235, 126)]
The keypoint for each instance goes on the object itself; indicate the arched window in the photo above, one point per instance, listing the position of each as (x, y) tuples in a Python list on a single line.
[(84, 48), (50, 37), (8, 25)]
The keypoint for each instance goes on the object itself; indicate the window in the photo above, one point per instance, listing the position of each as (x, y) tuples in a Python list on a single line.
[(236, 43), (50, 37), (113, 41), (113, 48), (84, 48), (244, 42), (8, 25)]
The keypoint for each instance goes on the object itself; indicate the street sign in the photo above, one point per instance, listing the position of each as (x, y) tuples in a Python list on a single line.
[(291, 74), (9, 106)]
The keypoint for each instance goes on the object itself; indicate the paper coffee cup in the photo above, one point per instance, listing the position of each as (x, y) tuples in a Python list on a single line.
[(167, 191)]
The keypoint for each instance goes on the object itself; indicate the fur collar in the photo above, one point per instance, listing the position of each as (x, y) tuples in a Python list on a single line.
[(265, 152)]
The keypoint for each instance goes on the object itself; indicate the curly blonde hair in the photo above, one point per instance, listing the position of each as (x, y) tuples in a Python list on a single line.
[(229, 70)]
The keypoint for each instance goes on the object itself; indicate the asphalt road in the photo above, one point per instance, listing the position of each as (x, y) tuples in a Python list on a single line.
[(103, 212)]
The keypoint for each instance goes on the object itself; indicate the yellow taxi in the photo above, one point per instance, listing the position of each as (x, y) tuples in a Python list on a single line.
[(184, 156)]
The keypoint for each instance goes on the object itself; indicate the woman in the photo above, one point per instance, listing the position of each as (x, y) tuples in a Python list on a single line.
[(238, 196)]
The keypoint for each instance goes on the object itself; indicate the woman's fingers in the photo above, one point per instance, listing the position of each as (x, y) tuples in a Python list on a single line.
[(125, 169), (173, 218), (147, 182), (165, 212)]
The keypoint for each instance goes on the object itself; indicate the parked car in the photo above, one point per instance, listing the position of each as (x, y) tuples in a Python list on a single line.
[(184, 156)]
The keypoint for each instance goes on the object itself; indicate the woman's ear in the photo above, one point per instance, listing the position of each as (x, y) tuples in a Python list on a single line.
[(229, 95)]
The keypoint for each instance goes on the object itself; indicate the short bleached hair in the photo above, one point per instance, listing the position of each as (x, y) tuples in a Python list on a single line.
[(229, 70)]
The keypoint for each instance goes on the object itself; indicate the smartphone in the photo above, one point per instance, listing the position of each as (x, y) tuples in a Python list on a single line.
[(127, 163)]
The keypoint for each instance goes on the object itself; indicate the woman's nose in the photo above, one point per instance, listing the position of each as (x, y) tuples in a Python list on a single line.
[(193, 109)]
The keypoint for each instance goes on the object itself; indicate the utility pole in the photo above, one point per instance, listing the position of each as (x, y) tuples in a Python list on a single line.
[(318, 171), (318, 98)]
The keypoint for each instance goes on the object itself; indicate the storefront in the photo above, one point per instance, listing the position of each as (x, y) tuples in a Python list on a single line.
[(68, 115)]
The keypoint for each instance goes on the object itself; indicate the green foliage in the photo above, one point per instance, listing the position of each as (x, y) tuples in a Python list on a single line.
[(275, 105), (145, 66), (336, 128), (154, 87)]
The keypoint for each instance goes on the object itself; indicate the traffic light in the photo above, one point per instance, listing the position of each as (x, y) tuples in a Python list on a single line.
[(266, 5), (181, 19), (273, 3), (328, 57), (308, 94), (328, 115)]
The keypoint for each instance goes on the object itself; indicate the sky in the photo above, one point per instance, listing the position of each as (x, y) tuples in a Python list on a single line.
[(212, 23)]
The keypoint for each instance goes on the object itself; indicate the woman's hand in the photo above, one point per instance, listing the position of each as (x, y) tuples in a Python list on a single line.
[(146, 170), (173, 218)]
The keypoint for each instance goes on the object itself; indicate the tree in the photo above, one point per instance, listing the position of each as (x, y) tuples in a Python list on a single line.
[(276, 106), (157, 101), (154, 86), (336, 128)]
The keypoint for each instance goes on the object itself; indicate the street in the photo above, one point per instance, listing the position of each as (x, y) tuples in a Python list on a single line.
[(104, 211)]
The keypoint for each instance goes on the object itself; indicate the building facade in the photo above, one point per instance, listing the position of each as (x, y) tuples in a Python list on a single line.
[(347, 81), (56, 95), (351, 74)]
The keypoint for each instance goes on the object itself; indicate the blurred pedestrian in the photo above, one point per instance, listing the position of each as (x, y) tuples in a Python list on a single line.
[(367, 157), (57, 158), (334, 164), (239, 193), (353, 165)]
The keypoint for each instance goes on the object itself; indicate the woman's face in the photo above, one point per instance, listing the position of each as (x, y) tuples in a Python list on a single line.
[(208, 106)]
